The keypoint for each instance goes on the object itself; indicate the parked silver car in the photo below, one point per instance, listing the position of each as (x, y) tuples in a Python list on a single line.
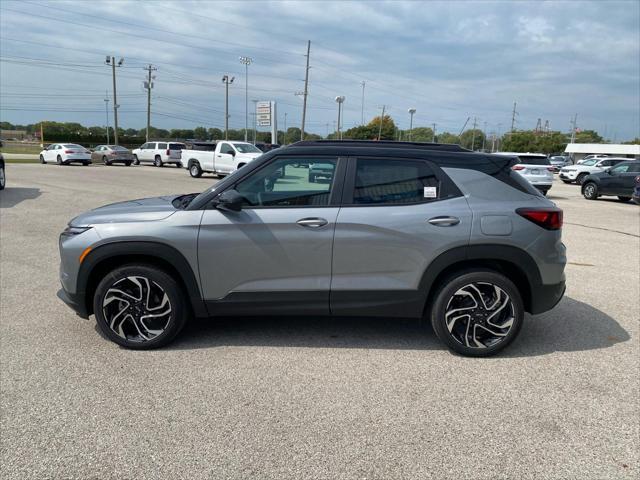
[(110, 154), (396, 230)]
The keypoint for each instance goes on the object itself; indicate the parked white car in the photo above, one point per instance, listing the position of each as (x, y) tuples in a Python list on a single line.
[(577, 173), (591, 157), (65, 153), (158, 153), (536, 168), (221, 158)]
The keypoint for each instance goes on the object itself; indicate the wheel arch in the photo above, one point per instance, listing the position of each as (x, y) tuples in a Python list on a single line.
[(113, 255), (513, 262)]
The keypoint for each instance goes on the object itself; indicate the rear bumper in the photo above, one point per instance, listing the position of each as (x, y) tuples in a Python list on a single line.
[(75, 302), (545, 297)]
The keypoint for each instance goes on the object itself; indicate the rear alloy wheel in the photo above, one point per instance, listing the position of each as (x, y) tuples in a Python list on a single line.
[(580, 178), (158, 161), (195, 171), (477, 313), (139, 307), (59, 160), (105, 161), (42, 159), (624, 199), (135, 160), (590, 191)]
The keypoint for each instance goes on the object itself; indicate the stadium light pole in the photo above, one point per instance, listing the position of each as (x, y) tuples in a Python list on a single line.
[(411, 112), (246, 61)]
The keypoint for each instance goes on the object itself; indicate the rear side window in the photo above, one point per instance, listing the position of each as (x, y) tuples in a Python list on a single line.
[(533, 160), (177, 146), (162, 146), (394, 182)]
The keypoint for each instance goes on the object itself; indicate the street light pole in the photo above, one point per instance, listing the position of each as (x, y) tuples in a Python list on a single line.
[(106, 111), (246, 61), (226, 80), (339, 100), (411, 112), (362, 108)]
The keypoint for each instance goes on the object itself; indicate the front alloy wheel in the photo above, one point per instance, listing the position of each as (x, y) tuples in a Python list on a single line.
[(477, 313), (139, 307)]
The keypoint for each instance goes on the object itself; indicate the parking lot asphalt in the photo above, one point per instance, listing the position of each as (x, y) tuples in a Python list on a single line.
[(308, 397)]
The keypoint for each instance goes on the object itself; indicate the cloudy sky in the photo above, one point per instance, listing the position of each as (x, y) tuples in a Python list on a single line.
[(449, 60)]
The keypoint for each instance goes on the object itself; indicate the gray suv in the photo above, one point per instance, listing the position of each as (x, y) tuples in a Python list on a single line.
[(394, 230)]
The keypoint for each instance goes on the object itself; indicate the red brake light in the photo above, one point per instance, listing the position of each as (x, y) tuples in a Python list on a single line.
[(550, 169), (517, 167), (69, 151), (638, 179), (548, 218)]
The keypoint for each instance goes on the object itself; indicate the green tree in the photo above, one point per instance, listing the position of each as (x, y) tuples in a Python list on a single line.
[(472, 139), (446, 137), (635, 141), (200, 133), (388, 131), (216, 134), (588, 136), (418, 134), (519, 141)]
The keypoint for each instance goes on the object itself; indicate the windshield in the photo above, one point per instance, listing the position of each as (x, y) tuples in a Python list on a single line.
[(589, 163), (246, 148), (72, 145), (533, 160)]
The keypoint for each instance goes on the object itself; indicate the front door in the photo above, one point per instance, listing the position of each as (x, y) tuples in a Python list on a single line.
[(273, 256), (224, 158), (397, 216)]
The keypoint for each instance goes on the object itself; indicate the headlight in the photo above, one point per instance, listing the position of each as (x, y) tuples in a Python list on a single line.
[(72, 231)]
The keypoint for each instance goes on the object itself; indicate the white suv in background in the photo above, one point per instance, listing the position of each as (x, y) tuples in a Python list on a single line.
[(536, 168), (159, 153), (577, 173)]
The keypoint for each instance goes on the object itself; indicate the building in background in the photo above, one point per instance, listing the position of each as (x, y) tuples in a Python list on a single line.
[(580, 150)]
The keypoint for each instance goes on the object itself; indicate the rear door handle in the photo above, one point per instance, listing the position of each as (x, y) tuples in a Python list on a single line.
[(444, 221), (314, 222)]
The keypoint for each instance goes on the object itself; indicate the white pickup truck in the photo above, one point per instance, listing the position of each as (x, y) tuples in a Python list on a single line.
[(220, 158)]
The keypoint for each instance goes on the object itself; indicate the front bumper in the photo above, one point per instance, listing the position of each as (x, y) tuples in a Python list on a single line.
[(75, 301), (568, 175)]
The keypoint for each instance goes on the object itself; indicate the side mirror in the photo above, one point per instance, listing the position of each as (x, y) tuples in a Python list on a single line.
[(230, 200), (233, 153)]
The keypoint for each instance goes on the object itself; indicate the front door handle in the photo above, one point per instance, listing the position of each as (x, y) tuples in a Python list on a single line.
[(444, 221), (314, 222)]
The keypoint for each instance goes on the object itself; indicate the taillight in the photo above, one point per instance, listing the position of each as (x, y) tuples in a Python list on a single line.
[(517, 167), (168, 152), (69, 151), (551, 169), (548, 218), (638, 179)]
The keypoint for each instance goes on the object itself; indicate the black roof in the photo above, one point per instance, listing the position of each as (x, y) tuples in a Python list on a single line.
[(449, 147)]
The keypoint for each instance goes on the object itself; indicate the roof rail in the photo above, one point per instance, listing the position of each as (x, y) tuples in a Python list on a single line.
[(381, 144)]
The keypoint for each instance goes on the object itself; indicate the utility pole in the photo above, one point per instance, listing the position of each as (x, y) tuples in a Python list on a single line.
[(411, 112), (434, 134), (574, 127), (149, 85), (106, 111), (484, 135), (285, 129), (226, 80), (362, 114), (473, 137), (306, 91), (339, 101), (246, 61), (381, 120), (513, 117), (255, 119), (112, 61)]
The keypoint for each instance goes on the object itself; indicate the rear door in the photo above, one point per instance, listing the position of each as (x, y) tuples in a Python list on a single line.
[(397, 216), (622, 178), (273, 256)]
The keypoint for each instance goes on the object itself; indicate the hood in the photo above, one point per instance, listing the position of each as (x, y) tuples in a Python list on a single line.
[(250, 155), (141, 210)]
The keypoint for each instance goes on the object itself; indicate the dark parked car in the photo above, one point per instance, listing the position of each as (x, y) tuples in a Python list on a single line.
[(636, 191), (617, 181), (559, 161), (3, 177), (267, 147), (110, 154)]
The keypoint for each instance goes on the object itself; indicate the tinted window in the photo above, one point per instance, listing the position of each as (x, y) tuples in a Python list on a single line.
[(285, 183), (533, 160), (177, 146), (226, 148), (162, 146), (72, 145), (387, 181), (634, 167), (247, 148)]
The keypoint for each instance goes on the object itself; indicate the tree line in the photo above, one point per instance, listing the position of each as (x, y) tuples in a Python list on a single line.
[(384, 129)]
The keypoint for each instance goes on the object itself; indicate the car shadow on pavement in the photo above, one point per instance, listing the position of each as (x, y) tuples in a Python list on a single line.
[(571, 326), (11, 196)]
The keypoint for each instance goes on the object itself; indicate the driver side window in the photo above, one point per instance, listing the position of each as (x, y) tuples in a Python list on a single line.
[(288, 182), (226, 148)]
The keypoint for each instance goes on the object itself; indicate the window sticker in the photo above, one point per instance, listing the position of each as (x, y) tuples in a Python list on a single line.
[(430, 192)]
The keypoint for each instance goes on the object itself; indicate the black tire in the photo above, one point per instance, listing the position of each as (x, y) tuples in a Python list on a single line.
[(42, 159), (590, 191), (128, 163), (458, 339), (623, 199), (135, 160), (3, 177), (580, 178), (59, 160), (86, 164), (158, 161), (194, 170), (105, 161), (179, 164), (131, 327), (565, 181)]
